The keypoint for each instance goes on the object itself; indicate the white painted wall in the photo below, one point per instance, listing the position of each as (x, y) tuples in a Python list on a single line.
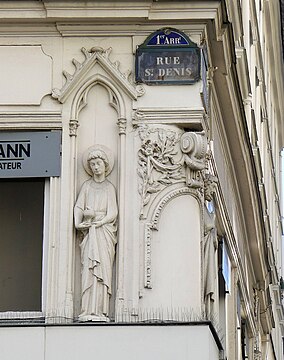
[(108, 342)]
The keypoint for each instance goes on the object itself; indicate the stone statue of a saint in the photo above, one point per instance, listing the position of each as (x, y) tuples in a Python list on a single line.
[(210, 247), (95, 216)]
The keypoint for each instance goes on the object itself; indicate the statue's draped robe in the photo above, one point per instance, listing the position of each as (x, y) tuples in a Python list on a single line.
[(210, 245), (98, 245)]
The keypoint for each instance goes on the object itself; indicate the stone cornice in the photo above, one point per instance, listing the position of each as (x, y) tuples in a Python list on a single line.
[(16, 9), (15, 120), (75, 10), (193, 119), (191, 10)]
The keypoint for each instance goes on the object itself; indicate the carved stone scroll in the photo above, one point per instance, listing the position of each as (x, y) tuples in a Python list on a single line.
[(194, 147)]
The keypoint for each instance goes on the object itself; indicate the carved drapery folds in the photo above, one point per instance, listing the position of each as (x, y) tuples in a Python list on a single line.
[(95, 215), (210, 247)]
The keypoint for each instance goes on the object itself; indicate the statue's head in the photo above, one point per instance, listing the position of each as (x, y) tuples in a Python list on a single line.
[(98, 152)]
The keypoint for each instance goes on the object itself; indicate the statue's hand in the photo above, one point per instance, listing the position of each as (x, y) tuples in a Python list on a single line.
[(98, 223), (84, 225)]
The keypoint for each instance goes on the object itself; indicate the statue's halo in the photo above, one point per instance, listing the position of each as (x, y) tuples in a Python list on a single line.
[(105, 150)]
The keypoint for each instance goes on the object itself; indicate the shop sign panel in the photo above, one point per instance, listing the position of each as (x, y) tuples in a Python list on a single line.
[(168, 56), (30, 154)]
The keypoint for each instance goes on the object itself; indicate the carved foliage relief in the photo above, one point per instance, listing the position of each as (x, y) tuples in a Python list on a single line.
[(166, 157), (157, 163)]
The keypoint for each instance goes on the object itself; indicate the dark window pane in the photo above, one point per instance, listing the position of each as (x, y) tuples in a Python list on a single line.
[(21, 234)]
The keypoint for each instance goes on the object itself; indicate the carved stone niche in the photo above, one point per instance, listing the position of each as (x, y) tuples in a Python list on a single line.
[(100, 88)]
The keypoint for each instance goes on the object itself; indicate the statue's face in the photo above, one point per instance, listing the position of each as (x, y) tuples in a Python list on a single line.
[(98, 166)]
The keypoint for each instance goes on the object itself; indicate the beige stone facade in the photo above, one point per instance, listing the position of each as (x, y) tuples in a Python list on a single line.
[(196, 171)]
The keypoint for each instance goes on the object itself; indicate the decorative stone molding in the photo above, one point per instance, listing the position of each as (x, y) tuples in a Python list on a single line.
[(88, 13), (153, 224), (257, 354), (73, 126), (256, 306), (101, 56), (12, 120), (121, 126), (148, 255), (193, 119)]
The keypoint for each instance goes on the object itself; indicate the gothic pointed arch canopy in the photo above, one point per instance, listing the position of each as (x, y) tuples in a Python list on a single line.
[(81, 80)]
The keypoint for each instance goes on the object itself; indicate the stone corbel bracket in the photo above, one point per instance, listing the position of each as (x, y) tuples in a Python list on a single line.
[(101, 56), (153, 224), (192, 119), (194, 147)]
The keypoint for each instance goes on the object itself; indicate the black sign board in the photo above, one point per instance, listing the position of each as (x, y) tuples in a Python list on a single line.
[(168, 56)]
